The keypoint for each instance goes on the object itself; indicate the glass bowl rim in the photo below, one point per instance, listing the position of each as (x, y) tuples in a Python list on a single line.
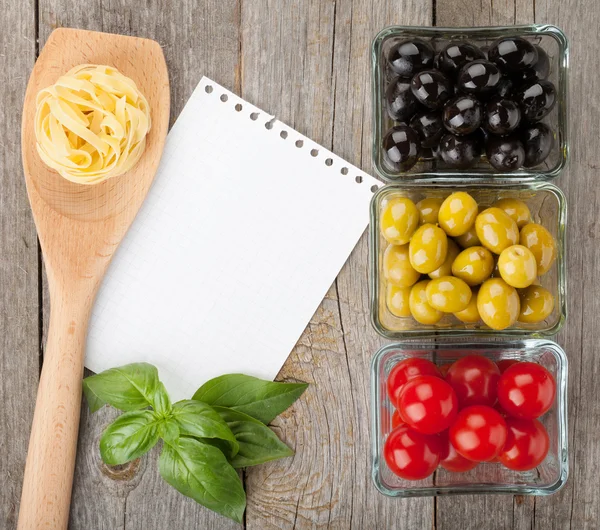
[(433, 491), (475, 175)]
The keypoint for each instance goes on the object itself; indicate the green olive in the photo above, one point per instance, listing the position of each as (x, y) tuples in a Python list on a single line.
[(446, 268), (468, 239), (517, 210), (457, 213), (537, 239), (448, 294), (473, 265), (469, 315), (397, 268), (397, 299), (428, 248), (420, 309), (428, 210), (517, 266), (498, 303), (399, 220), (537, 304), (496, 230)]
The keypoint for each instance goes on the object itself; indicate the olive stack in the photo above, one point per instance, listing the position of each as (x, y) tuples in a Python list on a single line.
[(466, 101)]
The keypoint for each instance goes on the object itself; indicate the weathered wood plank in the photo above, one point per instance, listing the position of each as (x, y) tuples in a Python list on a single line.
[(578, 505), (324, 92), (19, 301), (476, 512), (197, 39)]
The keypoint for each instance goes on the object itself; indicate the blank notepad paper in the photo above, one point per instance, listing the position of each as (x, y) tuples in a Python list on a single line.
[(243, 232)]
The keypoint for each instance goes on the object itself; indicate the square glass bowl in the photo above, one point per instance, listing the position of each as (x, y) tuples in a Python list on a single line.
[(548, 208), (550, 38), (547, 478)]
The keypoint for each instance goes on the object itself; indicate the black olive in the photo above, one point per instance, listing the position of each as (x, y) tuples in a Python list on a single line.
[(479, 77), (462, 115), (429, 126), (505, 153), (455, 55), (539, 141), (408, 57), (459, 152), (502, 116), (505, 87), (540, 70), (536, 99), (401, 102), (513, 53), (431, 88), (401, 147)]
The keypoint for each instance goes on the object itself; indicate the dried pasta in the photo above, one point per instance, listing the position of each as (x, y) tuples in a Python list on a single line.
[(91, 124)]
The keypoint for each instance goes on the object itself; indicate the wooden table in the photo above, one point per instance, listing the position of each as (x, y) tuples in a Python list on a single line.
[(307, 62)]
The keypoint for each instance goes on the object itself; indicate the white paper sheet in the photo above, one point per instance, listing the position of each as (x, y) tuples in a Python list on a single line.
[(236, 245)]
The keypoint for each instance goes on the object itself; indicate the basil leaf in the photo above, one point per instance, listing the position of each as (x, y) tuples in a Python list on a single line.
[(161, 402), (258, 443), (168, 430), (200, 420), (130, 436), (202, 472), (130, 387), (95, 403), (263, 400)]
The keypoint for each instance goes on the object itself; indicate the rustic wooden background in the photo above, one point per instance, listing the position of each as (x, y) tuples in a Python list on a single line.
[(307, 62)]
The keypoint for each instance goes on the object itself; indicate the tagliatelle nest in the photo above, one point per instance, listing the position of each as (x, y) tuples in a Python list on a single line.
[(91, 124)]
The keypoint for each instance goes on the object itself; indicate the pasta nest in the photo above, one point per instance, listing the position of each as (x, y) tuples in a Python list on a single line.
[(91, 124)]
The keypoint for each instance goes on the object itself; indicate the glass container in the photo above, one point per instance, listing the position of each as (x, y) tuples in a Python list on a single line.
[(547, 478), (548, 208), (550, 38)]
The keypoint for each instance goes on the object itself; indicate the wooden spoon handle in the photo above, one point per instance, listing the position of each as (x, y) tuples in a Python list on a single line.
[(53, 443)]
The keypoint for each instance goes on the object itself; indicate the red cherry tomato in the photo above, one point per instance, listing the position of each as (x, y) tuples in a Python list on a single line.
[(443, 369), (479, 433), (526, 446), (427, 404), (474, 379), (406, 370), (410, 454), (450, 459), (504, 364), (396, 419), (526, 390)]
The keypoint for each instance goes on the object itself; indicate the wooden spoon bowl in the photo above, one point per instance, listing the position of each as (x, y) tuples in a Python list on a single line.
[(79, 227)]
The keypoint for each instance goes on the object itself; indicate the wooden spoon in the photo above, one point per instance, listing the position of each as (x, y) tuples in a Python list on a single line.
[(79, 228)]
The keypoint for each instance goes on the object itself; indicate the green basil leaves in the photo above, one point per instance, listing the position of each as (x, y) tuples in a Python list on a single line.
[(204, 439), (263, 400)]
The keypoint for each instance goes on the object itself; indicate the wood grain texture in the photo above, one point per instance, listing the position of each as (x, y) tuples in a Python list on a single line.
[(79, 229), (577, 506), (197, 39), (325, 93), (307, 63), (19, 325)]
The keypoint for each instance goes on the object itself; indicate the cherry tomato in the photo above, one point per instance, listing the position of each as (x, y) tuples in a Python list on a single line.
[(479, 433), (450, 459), (405, 370), (526, 390), (444, 369), (504, 364), (410, 454), (396, 420), (527, 444), (474, 379), (427, 404)]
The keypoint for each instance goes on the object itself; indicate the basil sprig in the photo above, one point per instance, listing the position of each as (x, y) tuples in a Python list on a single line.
[(205, 439)]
